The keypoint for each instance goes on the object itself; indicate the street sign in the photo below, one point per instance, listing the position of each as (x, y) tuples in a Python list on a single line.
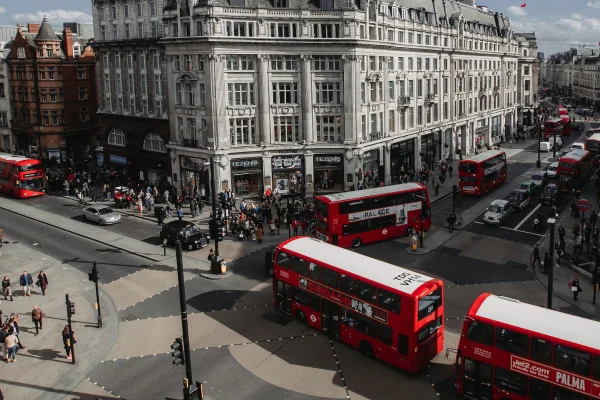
[(583, 205)]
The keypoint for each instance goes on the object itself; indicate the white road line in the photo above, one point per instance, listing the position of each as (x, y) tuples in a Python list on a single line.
[(511, 229), (527, 217)]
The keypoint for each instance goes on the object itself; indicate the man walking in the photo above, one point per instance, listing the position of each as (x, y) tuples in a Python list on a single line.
[(37, 317), (26, 281), (42, 282), (536, 256)]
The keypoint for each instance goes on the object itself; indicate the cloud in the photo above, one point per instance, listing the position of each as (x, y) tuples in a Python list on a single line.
[(576, 17), (593, 4), (556, 35), (55, 17), (2, 10), (519, 11)]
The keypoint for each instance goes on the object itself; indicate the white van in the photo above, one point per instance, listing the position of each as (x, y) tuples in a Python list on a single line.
[(548, 144), (578, 145)]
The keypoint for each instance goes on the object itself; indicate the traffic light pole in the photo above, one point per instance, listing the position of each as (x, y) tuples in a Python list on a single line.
[(96, 278), (71, 342), (213, 188), (551, 222), (182, 306), (595, 280), (538, 164)]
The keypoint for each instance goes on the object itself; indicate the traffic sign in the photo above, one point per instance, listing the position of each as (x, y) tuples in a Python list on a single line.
[(583, 205)]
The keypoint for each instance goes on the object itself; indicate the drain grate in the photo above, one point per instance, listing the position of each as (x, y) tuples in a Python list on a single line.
[(278, 318)]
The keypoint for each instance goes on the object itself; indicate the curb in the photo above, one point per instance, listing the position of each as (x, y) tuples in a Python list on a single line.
[(217, 277)]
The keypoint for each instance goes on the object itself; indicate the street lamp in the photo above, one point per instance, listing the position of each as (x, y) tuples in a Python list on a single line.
[(551, 222), (537, 128)]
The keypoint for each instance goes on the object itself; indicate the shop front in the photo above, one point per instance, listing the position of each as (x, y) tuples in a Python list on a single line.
[(156, 167), (195, 176), (247, 176), (431, 147), (402, 154), (288, 173), (373, 168), (480, 134), (329, 173)]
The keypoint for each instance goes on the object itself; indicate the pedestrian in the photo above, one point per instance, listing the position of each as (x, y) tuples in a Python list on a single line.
[(442, 179), (193, 207), (574, 210), (295, 227), (575, 288), (451, 221), (160, 215), (66, 338), (139, 205), (421, 237), (179, 213), (3, 334), (259, 234), (278, 224), (26, 281), (271, 227), (6, 289), (450, 170), (536, 256), (11, 342), (37, 317), (42, 282), (14, 323), (436, 186), (561, 232)]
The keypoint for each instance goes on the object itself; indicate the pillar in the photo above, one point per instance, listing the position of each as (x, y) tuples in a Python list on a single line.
[(264, 123), (386, 96), (387, 164), (309, 173), (307, 100), (351, 94), (418, 151), (217, 101), (267, 172)]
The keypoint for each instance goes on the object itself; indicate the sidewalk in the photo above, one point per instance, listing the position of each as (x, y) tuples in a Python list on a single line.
[(41, 370)]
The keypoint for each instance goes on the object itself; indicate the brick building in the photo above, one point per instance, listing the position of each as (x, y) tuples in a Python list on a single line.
[(53, 94)]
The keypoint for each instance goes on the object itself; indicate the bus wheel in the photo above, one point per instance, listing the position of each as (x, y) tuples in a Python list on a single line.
[(356, 242), (366, 349), (300, 316)]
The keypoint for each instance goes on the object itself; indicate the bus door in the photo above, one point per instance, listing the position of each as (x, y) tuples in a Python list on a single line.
[(477, 382), (330, 314), (284, 297)]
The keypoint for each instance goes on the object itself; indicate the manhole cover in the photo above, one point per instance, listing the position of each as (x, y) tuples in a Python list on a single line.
[(280, 319)]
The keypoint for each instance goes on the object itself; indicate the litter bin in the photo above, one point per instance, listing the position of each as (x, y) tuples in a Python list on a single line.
[(218, 265)]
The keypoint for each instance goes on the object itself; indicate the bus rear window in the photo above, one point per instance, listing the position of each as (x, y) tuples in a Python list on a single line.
[(29, 167), (566, 165), (322, 208), (469, 168), (430, 303)]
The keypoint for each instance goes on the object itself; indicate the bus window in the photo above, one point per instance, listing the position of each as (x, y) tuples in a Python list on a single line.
[(469, 168), (481, 333), (385, 333), (347, 284), (283, 259), (366, 325), (511, 381), (366, 292), (314, 272), (389, 301), (597, 367), (513, 342), (541, 351), (322, 208), (402, 344), (430, 303), (299, 266), (572, 360), (330, 278), (539, 390)]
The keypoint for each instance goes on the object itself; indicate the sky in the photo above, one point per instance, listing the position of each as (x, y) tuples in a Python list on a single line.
[(557, 24)]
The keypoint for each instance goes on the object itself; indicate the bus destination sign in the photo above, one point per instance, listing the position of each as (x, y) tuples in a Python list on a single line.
[(557, 377), (359, 306)]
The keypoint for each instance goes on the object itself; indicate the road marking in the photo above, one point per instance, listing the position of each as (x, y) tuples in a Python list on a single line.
[(527, 217), (339, 367), (511, 229)]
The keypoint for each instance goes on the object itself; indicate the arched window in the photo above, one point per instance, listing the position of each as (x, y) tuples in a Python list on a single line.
[(153, 142), (116, 137)]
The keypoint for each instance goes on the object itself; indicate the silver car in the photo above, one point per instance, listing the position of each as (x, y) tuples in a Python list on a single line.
[(497, 212), (101, 214)]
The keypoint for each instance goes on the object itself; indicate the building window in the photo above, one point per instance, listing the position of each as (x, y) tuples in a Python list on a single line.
[(191, 94), (83, 94), (202, 99), (49, 51), (283, 30), (328, 93), (326, 63), (127, 31), (326, 31), (286, 129), (52, 95), (158, 108), (55, 120), (240, 63), (45, 118), (140, 29), (285, 93), (157, 86), (156, 59), (140, 8), (84, 114), (178, 94), (115, 32), (152, 6), (329, 128), (153, 142), (2, 92), (192, 128), (392, 121), (21, 52), (80, 72), (242, 131), (240, 29), (240, 94), (154, 30), (116, 137), (42, 74), (284, 63), (281, 3)]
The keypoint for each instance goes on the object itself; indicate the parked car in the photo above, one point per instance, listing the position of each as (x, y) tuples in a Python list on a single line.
[(497, 212), (552, 194), (101, 214), (551, 170), (270, 259), (190, 236), (519, 199), (527, 185), (579, 111), (540, 178)]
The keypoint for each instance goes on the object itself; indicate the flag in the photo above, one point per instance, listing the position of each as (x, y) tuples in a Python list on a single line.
[(523, 5)]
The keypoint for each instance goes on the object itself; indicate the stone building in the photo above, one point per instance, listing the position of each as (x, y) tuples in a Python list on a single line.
[(132, 96), (527, 82), (53, 94)]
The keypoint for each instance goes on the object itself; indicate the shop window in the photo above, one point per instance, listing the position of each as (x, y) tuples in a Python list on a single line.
[(116, 137), (153, 142)]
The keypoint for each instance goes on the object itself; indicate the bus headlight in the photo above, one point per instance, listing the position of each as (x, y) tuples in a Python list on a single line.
[(416, 349)]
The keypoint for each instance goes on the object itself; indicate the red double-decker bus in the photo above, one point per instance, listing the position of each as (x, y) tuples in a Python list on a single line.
[(574, 169), (351, 219), (387, 312), (513, 350), (21, 176), (479, 174), (552, 126), (592, 144), (566, 125)]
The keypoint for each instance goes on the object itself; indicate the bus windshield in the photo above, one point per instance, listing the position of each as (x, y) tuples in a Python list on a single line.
[(563, 164), (29, 167), (321, 208), (32, 184), (469, 168), (430, 303), (593, 144)]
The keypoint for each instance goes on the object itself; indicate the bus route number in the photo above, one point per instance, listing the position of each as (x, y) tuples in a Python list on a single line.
[(406, 278)]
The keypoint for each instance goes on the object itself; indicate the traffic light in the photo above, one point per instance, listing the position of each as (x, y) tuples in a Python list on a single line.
[(178, 354), (215, 230), (71, 308), (93, 275)]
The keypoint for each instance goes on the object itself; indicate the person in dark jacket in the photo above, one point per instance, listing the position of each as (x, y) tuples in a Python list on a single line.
[(6, 289), (66, 338), (42, 282), (575, 288), (536, 256), (26, 281)]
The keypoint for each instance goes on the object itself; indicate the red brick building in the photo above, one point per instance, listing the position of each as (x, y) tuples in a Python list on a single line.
[(53, 94)]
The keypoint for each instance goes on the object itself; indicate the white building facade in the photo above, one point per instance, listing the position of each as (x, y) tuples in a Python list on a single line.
[(326, 96), (527, 89)]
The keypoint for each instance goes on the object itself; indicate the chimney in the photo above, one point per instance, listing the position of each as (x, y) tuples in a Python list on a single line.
[(68, 44), (33, 28)]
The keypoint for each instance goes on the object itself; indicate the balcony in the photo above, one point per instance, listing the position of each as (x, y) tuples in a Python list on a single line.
[(403, 102)]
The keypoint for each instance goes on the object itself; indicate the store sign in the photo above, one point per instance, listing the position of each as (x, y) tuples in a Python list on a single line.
[(193, 163), (287, 162), (401, 212), (329, 160), (346, 301), (246, 164), (117, 159), (557, 377)]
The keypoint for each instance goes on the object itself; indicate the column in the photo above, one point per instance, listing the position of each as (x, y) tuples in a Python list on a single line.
[(351, 93), (309, 173), (418, 151), (264, 123), (307, 100), (267, 171), (387, 167), (216, 96), (386, 96)]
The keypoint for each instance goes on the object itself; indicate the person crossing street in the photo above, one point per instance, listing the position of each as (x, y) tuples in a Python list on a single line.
[(26, 281), (37, 317), (42, 282)]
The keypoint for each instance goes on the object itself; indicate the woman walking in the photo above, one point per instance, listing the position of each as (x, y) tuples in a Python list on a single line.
[(42, 282), (11, 342), (6, 289), (259, 234), (66, 337), (575, 288)]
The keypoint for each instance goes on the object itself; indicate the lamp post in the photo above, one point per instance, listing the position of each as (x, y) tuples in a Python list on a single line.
[(213, 188), (551, 222), (538, 164)]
